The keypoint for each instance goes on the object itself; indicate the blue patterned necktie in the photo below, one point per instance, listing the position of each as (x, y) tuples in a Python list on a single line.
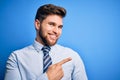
[(46, 58)]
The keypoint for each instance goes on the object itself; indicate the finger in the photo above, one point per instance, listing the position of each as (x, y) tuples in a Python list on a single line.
[(64, 61)]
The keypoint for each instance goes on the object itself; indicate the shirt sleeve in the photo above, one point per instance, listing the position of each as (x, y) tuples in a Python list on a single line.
[(79, 72), (13, 71)]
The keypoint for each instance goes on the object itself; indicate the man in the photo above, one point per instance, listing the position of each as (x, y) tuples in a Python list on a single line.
[(44, 59)]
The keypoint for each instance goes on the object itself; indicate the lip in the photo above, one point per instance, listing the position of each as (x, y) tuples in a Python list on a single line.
[(53, 36)]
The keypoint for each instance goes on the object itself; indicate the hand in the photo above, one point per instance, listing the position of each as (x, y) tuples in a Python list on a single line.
[(55, 71)]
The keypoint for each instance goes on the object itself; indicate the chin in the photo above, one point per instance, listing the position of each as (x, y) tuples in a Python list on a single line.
[(52, 43)]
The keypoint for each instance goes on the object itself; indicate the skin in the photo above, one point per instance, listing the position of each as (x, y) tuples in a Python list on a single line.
[(48, 32), (55, 71)]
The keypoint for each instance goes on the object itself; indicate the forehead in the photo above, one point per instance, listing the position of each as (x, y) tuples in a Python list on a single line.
[(54, 18)]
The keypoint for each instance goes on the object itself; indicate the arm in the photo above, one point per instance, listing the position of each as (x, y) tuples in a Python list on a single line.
[(79, 72), (14, 71)]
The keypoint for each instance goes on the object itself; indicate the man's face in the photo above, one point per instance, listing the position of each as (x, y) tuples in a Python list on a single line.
[(50, 29)]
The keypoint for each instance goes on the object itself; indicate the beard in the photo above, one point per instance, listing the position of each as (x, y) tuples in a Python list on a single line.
[(45, 38)]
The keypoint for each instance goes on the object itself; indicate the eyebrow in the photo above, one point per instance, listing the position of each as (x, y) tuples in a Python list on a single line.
[(54, 23)]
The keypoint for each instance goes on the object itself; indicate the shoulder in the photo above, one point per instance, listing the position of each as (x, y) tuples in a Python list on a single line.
[(22, 51), (58, 46), (66, 50)]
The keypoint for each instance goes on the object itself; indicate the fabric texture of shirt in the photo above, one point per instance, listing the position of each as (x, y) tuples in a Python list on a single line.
[(27, 63)]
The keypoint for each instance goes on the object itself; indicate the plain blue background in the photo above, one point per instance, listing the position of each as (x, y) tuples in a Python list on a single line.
[(91, 27)]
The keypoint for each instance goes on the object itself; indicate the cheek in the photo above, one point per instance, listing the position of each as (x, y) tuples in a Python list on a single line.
[(60, 32), (42, 32)]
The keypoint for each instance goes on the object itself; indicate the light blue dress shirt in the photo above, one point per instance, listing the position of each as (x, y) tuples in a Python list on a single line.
[(27, 63)]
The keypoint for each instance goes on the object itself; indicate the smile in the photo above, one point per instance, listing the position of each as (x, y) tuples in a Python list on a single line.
[(53, 36)]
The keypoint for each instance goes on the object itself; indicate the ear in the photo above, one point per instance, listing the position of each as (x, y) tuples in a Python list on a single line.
[(37, 24)]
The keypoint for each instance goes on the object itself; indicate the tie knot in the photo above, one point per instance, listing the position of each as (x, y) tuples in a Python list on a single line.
[(46, 48)]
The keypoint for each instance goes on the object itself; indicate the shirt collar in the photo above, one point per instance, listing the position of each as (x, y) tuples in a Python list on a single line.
[(38, 46)]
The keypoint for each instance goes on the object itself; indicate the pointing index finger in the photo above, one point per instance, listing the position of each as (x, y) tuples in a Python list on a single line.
[(64, 61)]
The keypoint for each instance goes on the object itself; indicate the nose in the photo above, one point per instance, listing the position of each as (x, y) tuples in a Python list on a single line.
[(56, 30)]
